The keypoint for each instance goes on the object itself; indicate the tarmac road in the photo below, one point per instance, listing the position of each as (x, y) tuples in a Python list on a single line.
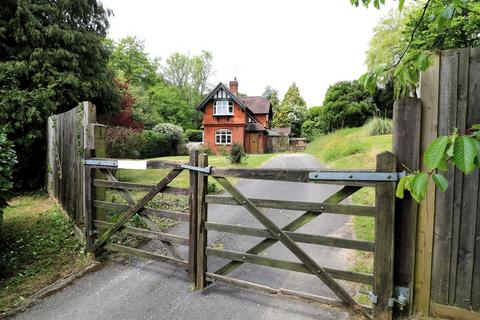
[(138, 289)]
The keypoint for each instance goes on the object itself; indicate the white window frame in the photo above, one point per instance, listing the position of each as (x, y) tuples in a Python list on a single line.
[(223, 137), (223, 108)]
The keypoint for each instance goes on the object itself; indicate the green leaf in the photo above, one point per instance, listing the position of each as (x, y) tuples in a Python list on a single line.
[(464, 154), (443, 164), (440, 181), (435, 152), (400, 4), (423, 61), (476, 126), (451, 145), (401, 187), (418, 186)]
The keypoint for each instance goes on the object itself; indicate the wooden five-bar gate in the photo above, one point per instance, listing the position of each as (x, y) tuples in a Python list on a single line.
[(383, 179)]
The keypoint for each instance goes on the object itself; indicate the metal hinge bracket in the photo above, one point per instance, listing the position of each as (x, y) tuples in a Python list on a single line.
[(357, 176), (206, 170)]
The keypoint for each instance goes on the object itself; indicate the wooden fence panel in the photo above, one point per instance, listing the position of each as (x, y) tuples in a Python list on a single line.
[(455, 266), (68, 134)]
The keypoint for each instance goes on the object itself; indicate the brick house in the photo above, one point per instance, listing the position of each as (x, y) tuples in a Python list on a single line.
[(230, 118)]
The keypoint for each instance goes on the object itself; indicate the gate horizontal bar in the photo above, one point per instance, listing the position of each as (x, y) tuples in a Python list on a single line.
[(145, 211), (353, 210), (298, 237), (109, 163), (357, 176), (156, 235), (142, 254), (101, 163), (288, 265), (138, 186)]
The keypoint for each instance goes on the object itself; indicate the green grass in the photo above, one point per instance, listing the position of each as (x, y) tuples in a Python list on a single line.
[(353, 148), (38, 247)]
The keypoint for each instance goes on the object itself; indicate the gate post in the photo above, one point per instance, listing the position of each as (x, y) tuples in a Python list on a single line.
[(193, 206), (87, 203), (202, 218), (407, 117), (384, 239)]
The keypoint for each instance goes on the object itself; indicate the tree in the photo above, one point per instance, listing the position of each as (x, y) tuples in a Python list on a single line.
[(189, 74), (130, 61), (292, 111), (271, 95), (424, 27), (346, 104), (52, 56)]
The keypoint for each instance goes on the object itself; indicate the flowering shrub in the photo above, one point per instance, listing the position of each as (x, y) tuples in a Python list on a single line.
[(124, 142), (173, 132)]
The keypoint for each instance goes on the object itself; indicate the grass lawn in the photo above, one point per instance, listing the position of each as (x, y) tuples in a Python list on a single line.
[(38, 246), (353, 149)]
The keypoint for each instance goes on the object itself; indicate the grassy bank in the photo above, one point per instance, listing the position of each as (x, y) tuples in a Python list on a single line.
[(38, 246), (353, 149)]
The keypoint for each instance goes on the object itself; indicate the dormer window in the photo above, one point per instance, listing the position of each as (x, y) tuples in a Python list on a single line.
[(223, 108)]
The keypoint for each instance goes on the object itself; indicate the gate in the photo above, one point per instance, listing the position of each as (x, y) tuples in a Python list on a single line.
[(383, 180), (100, 173)]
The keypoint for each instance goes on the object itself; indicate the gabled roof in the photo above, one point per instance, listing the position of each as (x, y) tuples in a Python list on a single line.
[(258, 105), (217, 88)]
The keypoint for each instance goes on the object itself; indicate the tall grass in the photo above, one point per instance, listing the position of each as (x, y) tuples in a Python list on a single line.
[(378, 126)]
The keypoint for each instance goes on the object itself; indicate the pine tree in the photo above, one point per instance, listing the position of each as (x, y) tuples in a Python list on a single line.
[(292, 111)]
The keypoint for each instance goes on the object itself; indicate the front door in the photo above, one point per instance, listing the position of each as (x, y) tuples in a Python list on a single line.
[(253, 143)]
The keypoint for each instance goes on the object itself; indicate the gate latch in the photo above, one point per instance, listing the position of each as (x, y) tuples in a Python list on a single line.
[(206, 170)]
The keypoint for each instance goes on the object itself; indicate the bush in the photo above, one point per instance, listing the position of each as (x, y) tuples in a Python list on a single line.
[(8, 160), (237, 153), (173, 132), (124, 142), (155, 144), (194, 135), (378, 126)]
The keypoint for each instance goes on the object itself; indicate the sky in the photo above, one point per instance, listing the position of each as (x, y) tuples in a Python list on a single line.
[(313, 43)]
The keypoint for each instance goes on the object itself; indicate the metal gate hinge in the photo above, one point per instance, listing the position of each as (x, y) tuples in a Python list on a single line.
[(373, 297), (206, 170), (357, 176)]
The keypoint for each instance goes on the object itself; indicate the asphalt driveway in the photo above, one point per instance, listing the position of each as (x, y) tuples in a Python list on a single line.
[(138, 289)]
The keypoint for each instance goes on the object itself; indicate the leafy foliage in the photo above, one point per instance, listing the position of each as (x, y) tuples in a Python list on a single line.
[(123, 142), (236, 153), (403, 42), (346, 104), (51, 57), (194, 135), (8, 160), (271, 95), (460, 151), (291, 112)]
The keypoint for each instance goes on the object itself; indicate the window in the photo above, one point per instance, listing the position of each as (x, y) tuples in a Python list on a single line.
[(223, 136), (223, 108)]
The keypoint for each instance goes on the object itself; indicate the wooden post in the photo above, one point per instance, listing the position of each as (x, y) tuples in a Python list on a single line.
[(50, 155), (88, 204), (429, 86), (407, 114), (100, 145), (202, 218), (193, 203), (384, 238)]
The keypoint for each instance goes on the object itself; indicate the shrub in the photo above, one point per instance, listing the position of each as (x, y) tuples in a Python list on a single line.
[(378, 126), (8, 160), (124, 142), (155, 144), (237, 153), (173, 132), (194, 135)]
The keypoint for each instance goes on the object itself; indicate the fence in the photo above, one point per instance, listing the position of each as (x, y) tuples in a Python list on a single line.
[(440, 262)]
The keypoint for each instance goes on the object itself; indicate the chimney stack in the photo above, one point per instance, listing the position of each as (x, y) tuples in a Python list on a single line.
[(234, 86)]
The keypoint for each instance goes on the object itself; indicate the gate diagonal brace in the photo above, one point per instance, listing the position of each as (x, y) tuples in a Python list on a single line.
[(314, 268), (150, 224)]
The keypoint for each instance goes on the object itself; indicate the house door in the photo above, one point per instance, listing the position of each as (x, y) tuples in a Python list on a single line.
[(253, 143)]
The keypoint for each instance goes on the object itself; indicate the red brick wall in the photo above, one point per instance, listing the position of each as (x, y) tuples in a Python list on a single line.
[(211, 123), (262, 119)]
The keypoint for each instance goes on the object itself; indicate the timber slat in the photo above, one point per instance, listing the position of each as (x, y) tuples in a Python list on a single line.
[(298, 237), (146, 210), (304, 206), (288, 265), (103, 225), (145, 254), (280, 174), (138, 186)]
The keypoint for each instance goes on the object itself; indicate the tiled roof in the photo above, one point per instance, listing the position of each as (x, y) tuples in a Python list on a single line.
[(258, 105), (254, 126)]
